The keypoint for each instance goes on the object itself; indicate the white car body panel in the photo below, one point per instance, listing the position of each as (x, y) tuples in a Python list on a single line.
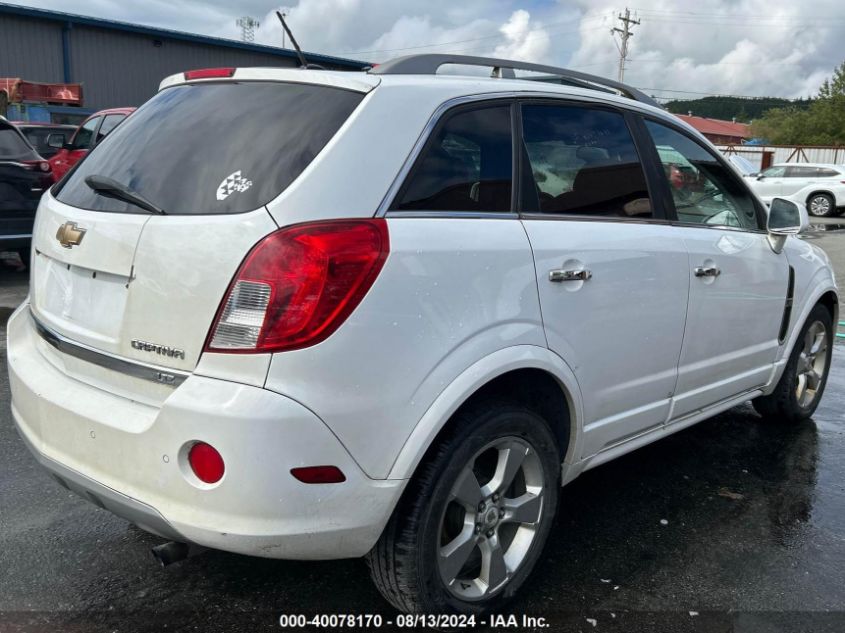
[(602, 325), (641, 350)]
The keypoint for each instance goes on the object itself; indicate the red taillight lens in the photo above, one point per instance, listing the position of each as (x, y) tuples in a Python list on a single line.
[(209, 73), (319, 474), (206, 463), (298, 285)]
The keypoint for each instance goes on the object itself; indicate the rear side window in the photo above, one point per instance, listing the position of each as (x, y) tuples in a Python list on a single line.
[(825, 172), (466, 165), (12, 144), (801, 172), (213, 148), (584, 162)]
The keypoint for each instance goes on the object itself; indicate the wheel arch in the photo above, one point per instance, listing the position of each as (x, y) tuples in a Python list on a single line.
[(816, 192), (535, 375)]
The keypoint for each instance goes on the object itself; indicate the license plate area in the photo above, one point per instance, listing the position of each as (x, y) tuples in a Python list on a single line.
[(81, 302)]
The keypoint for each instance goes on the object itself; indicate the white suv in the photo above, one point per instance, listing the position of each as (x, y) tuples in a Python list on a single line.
[(389, 314), (820, 186)]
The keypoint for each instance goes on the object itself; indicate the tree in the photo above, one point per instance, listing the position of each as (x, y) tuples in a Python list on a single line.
[(823, 123)]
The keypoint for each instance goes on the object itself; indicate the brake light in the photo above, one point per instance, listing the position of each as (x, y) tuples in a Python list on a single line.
[(298, 285), (209, 73)]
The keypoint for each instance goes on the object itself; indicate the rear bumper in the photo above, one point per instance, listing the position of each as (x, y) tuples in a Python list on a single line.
[(130, 458)]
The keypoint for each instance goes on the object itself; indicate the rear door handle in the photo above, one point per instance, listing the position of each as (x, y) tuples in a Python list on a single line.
[(707, 271), (569, 275)]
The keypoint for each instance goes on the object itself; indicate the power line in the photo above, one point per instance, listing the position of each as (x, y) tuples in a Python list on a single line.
[(626, 34)]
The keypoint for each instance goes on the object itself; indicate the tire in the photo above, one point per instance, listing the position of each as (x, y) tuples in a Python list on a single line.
[(821, 205), (802, 384), (406, 563)]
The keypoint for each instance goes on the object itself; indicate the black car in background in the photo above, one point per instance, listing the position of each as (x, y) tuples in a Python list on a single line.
[(24, 176), (37, 133)]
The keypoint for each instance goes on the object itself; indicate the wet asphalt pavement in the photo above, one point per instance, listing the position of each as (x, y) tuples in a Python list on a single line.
[(733, 525)]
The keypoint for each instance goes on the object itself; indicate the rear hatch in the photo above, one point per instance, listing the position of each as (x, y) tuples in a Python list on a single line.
[(24, 177), (210, 154)]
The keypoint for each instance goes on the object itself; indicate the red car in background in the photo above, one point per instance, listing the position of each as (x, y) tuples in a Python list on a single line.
[(87, 135)]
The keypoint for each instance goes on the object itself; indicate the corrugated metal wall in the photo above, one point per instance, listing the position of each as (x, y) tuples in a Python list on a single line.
[(30, 49), (787, 153), (120, 69), (117, 68)]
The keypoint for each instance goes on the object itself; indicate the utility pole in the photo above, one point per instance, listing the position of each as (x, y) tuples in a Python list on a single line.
[(626, 33), (247, 25)]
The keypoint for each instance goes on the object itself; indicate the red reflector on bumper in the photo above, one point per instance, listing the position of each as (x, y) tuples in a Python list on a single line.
[(319, 474), (206, 463)]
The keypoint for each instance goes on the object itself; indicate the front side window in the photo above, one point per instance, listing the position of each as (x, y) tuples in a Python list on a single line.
[(703, 189), (85, 135), (773, 172), (109, 123), (584, 162), (465, 166)]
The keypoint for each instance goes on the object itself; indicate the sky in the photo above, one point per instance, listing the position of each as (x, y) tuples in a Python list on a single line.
[(681, 49)]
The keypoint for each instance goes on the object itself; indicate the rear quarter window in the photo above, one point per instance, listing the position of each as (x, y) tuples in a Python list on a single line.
[(213, 148)]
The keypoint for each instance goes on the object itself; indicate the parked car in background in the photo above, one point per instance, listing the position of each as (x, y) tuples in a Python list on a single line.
[(94, 129), (24, 176), (389, 314), (38, 134), (819, 186)]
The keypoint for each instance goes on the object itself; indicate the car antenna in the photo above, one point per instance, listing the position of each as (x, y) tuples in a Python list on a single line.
[(304, 63)]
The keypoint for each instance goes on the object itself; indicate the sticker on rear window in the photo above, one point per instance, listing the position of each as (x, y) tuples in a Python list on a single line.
[(232, 183)]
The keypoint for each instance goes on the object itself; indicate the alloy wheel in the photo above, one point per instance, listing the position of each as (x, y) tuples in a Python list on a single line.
[(812, 364), (492, 518), (820, 205)]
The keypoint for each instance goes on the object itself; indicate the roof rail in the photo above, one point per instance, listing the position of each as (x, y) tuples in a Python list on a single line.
[(429, 63)]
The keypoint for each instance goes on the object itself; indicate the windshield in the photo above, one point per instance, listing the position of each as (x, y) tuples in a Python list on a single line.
[(213, 148)]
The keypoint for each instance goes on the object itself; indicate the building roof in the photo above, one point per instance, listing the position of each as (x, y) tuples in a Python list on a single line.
[(114, 25), (717, 127)]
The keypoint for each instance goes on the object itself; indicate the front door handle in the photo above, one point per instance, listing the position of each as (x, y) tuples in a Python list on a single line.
[(707, 271), (569, 275)]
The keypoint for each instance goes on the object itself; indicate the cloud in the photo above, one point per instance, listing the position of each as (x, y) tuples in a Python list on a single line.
[(748, 47)]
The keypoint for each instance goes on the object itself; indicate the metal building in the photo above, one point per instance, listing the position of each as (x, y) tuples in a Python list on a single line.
[(121, 64)]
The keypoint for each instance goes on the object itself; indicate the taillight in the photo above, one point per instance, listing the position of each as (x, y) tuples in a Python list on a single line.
[(41, 165), (298, 285), (209, 73)]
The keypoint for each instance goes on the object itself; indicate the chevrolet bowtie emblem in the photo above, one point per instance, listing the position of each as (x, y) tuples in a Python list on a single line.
[(70, 235)]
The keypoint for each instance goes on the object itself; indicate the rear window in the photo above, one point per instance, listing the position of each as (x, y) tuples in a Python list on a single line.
[(12, 144), (213, 148)]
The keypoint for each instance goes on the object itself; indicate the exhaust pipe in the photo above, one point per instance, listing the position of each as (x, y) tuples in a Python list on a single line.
[(173, 552)]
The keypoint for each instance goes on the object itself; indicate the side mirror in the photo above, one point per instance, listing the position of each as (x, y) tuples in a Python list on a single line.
[(760, 176), (69, 147), (785, 218), (56, 140)]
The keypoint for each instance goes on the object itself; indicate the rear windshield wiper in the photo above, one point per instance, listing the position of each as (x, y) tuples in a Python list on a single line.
[(113, 189)]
